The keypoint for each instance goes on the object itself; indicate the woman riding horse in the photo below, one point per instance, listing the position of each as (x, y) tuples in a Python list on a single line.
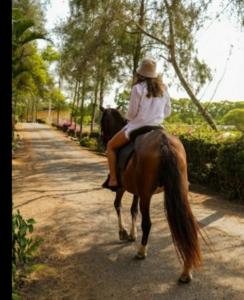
[(157, 164), (149, 105)]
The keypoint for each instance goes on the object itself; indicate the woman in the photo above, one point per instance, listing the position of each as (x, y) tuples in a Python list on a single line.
[(149, 105)]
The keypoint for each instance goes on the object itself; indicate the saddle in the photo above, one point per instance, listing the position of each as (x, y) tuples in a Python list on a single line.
[(124, 153)]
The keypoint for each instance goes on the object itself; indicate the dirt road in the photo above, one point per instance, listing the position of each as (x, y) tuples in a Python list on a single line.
[(58, 183)]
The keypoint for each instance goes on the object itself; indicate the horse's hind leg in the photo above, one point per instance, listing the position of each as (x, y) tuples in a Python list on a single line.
[(146, 226), (134, 212), (186, 275), (123, 235)]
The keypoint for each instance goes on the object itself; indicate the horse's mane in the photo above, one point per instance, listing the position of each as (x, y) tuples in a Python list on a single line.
[(117, 115)]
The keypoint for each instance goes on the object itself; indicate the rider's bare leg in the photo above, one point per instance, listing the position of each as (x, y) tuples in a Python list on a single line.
[(118, 140)]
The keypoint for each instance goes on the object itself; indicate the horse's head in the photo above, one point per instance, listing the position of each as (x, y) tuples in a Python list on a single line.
[(111, 123)]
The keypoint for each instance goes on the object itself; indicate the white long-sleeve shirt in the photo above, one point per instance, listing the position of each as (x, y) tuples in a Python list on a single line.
[(144, 111)]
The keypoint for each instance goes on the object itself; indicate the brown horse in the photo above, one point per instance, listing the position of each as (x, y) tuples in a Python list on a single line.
[(157, 164)]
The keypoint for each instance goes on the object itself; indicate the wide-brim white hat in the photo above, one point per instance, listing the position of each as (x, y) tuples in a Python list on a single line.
[(147, 68)]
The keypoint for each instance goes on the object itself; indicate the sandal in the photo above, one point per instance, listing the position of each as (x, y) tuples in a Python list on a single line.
[(113, 188)]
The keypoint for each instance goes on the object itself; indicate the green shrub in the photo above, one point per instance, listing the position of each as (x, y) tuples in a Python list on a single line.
[(84, 141), (235, 117), (88, 142), (92, 142), (215, 159), (95, 134), (23, 248), (230, 169), (41, 121), (216, 163)]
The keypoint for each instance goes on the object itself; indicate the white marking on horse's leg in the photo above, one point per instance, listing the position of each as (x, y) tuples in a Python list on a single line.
[(123, 235), (142, 251), (134, 212), (120, 222), (133, 231)]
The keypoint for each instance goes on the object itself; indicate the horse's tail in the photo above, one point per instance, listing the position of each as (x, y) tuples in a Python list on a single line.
[(183, 226)]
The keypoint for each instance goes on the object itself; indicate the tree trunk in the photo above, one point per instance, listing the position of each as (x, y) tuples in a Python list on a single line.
[(83, 92), (74, 100), (28, 110), (183, 81), (193, 98), (101, 91), (76, 106), (138, 47), (32, 110), (94, 107), (36, 106), (49, 110), (58, 110)]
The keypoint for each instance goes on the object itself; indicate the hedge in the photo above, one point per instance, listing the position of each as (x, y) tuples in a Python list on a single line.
[(219, 165), (215, 159)]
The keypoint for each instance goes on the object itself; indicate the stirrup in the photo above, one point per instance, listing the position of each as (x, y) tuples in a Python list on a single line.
[(113, 188)]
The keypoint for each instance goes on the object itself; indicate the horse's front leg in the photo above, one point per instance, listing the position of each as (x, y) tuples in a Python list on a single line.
[(146, 226), (123, 235), (134, 213)]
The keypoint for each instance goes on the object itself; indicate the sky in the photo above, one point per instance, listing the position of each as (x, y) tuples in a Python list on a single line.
[(220, 44)]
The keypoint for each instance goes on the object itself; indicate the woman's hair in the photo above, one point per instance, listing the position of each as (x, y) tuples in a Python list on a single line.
[(155, 86)]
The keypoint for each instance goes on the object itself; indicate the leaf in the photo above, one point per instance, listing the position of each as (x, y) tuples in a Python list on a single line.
[(30, 228), (23, 242), (31, 221), (32, 36), (21, 25)]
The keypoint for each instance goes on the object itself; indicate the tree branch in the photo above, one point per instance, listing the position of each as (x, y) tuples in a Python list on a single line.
[(183, 81), (152, 36)]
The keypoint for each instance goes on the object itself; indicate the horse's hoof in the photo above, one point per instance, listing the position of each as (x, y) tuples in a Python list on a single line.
[(185, 279), (123, 235), (140, 256), (131, 238)]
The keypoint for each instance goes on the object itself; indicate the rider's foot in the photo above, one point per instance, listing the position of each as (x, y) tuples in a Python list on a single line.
[(110, 184)]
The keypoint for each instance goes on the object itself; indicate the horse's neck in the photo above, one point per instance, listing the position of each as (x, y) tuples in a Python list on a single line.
[(119, 124)]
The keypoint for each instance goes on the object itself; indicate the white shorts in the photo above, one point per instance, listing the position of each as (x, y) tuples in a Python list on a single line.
[(128, 128)]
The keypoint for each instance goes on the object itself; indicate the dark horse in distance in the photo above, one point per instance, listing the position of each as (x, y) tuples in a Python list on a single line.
[(157, 164)]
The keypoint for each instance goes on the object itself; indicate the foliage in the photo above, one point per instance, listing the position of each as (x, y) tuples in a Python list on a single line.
[(92, 142), (235, 117), (23, 247), (215, 160), (58, 99), (230, 168), (122, 100), (31, 81), (184, 111), (49, 54)]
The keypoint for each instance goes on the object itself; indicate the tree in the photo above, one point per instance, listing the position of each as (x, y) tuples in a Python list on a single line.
[(25, 76), (58, 101), (178, 19), (89, 51), (31, 80)]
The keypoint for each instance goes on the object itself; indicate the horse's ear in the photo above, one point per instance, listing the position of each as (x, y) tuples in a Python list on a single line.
[(102, 108)]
